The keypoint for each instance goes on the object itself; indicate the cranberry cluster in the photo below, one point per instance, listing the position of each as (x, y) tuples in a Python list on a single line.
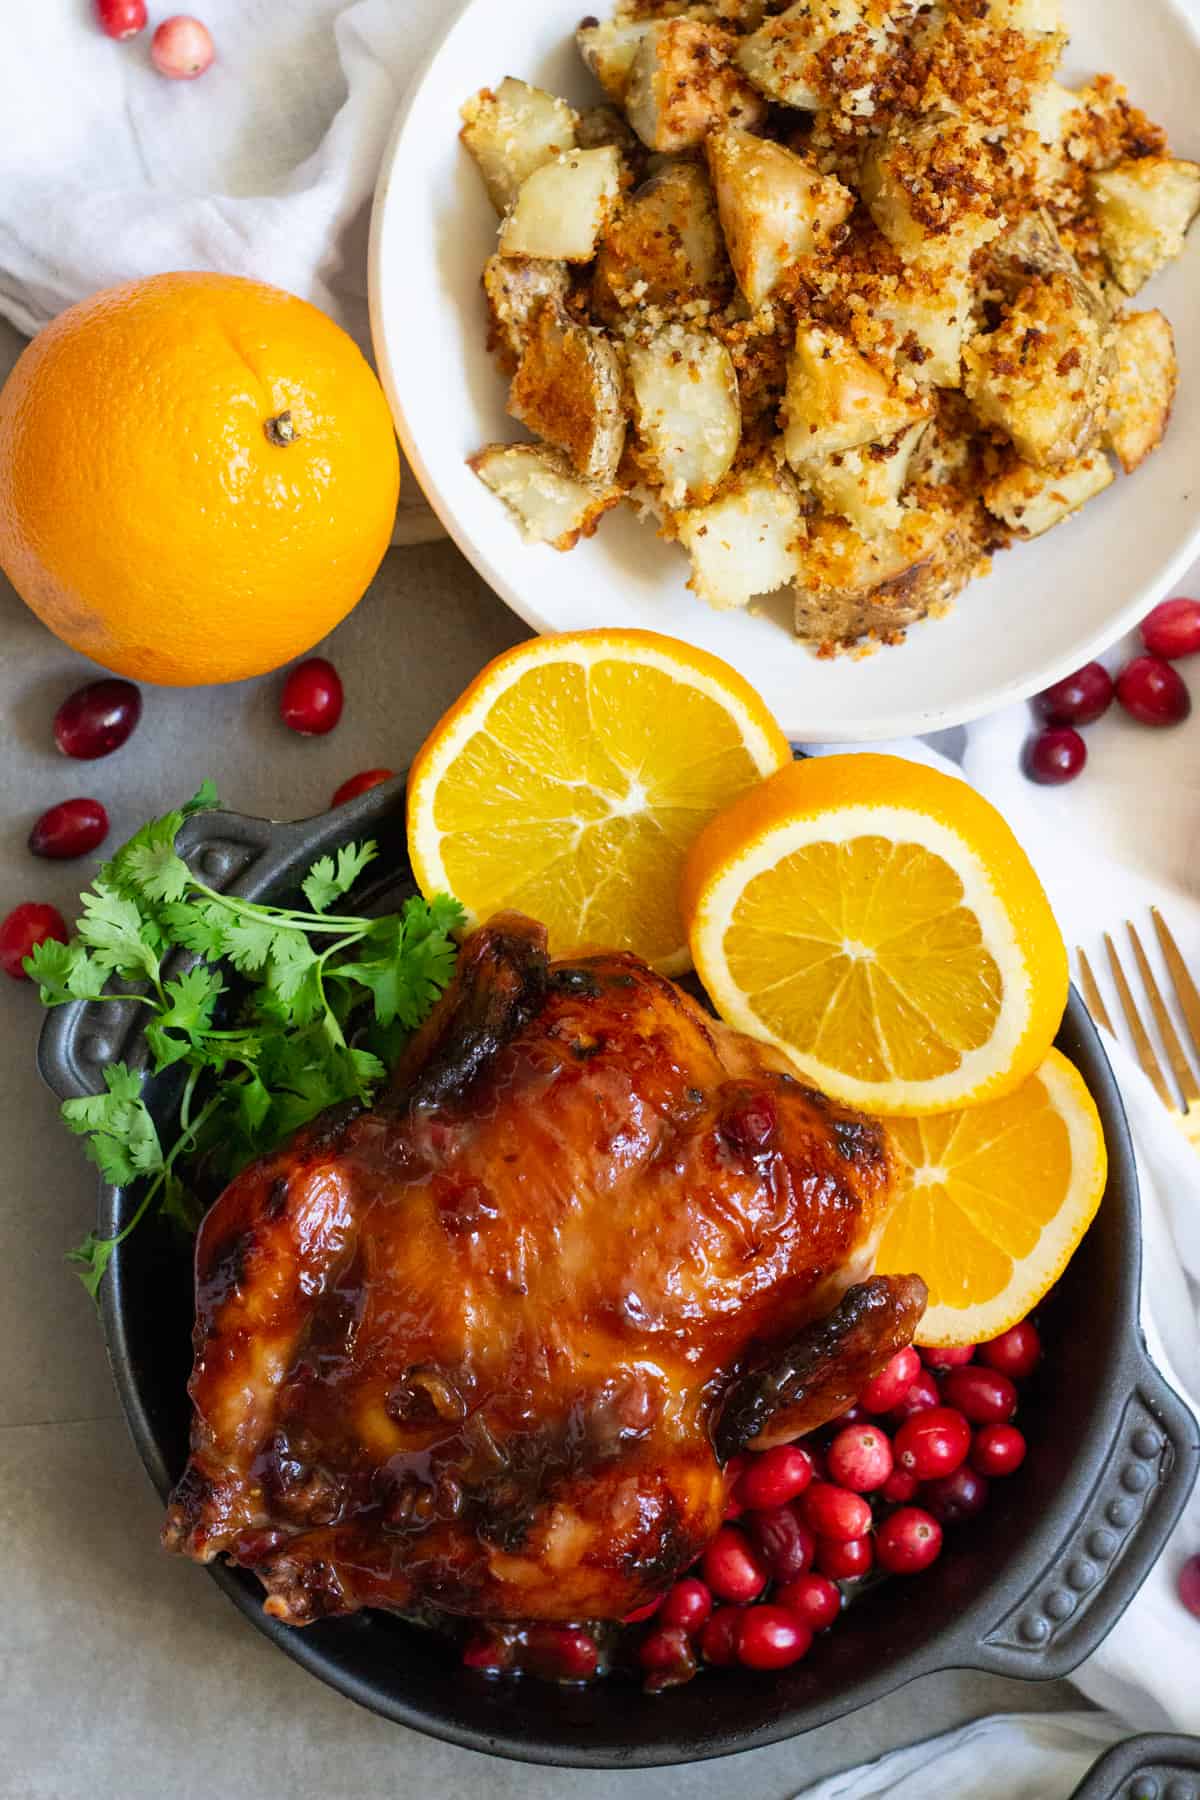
[(1149, 688), (871, 1494)]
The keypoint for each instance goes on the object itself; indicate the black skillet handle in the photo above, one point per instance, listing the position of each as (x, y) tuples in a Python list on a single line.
[(1067, 1611), (223, 848)]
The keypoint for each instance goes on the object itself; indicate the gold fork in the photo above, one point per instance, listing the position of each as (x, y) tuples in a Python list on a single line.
[(1186, 1118)]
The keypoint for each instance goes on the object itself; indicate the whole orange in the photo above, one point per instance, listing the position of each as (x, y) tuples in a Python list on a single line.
[(198, 477)]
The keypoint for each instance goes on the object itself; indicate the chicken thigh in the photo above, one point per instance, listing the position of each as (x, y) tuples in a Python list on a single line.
[(488, 1346)]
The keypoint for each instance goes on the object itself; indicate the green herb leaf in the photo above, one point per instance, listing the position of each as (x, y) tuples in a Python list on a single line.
[(122, 1139), (203, 800), (150, 864), (64, 972), (90, 1259), (112, 928), (324, 883)]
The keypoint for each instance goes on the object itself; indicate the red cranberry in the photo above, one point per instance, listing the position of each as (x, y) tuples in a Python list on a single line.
[(933, 1443), (734, 1505), (561, 1653), (1015, 1353), (1153, 691), (889, 1387), (311, 702), (900, 1487), (121, 18), (97, 718), (908, 1541), (953, 1498), (772, 1638), (1055, 756), (775, 1477), (984, 1395), (641, 1613), (23, 930), (667, 1657), (750, 1123), (719, 1639), (732, 1567), (181, 48), (844, 1559), (921, 1395), (687, 1606), (812, 1598), (1172, 629), (997, 1450), (853, 1415), (860, 1458), (486, 1653), (947, 1356), (1079, 698), (71, 828), (1189, 1585), (360, 784), (784, 1539), (834, 1512)]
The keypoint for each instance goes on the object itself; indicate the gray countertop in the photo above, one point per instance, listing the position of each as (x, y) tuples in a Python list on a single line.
[(123, 1672)]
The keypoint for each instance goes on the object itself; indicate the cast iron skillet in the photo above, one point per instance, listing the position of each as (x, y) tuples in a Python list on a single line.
[(1029, 1592), (1145, 1768)]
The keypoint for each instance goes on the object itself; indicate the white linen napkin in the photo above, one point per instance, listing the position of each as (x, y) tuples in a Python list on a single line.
[(265, 167)]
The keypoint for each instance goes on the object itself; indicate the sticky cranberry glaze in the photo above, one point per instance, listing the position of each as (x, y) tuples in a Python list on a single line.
[(811, 1526)]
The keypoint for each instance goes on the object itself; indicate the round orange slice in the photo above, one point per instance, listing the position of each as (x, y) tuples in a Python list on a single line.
[(572, 778), (878, 921), (994, 1202)]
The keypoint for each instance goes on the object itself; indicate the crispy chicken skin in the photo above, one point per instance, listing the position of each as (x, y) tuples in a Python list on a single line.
[(488, 1346)]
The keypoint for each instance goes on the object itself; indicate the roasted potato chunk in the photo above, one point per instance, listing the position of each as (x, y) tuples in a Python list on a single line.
[(568, 389), (664, 248), (850, 588), (608, 47), (1143, 388), (1030, 501), (837, 400), (563, 207), (512, 132), (683, 83), (931, 186), (1144, 207), (774, 207), (1042, 376), (745, 541), (540, 487), (515, 286), (928, 310), (789, 58), (865, 485), (1037, 18), (685, 397)]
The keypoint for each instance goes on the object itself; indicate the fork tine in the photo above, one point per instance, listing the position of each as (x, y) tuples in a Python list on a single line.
[(1141, 1043), (1091, 994), (1185, 987), (1166, 1030)]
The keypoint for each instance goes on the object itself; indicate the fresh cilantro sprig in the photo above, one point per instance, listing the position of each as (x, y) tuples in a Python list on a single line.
[(287, 1010)]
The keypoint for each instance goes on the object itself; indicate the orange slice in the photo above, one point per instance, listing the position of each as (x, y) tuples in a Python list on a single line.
[(572, 778), (994, 1202), (878, 921)]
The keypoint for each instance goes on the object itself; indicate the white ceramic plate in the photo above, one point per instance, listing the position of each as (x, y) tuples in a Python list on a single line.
[(1046, 608)]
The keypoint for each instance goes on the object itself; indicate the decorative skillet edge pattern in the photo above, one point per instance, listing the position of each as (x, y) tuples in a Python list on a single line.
[(1140, 1463), (258, 857), (1146, 1767)]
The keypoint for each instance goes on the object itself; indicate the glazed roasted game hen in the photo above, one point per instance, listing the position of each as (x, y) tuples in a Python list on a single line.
[(488, 1346)]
